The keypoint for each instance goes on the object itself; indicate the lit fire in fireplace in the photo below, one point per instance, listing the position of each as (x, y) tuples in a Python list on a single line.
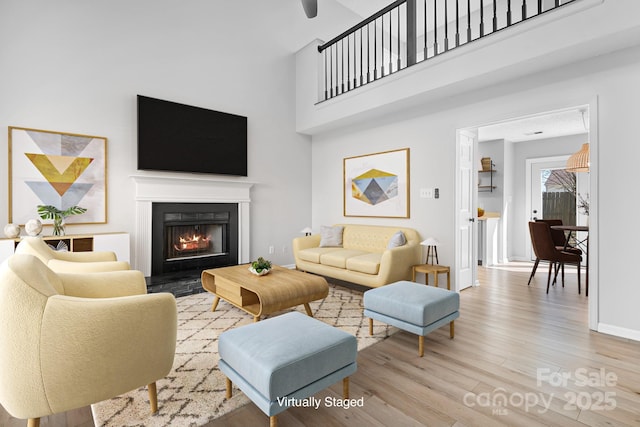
[(192, 243)]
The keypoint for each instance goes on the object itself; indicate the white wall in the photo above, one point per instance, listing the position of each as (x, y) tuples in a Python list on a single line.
[(430, 133), (75, 66)]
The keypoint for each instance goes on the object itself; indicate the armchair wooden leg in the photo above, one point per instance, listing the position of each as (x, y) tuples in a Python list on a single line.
[(345, 388), (370, 326), (229, 388), (420, 346), (33, 422), (273, 421), (451, 330), (153, 397)]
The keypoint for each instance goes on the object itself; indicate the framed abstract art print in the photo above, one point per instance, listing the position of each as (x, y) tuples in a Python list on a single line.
[(377, 185), (57, 169)]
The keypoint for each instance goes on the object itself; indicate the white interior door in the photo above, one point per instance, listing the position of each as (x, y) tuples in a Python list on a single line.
[(466, 247)]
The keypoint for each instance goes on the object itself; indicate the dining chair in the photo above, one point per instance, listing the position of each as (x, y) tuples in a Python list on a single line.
[(560, 242), (545, 250)]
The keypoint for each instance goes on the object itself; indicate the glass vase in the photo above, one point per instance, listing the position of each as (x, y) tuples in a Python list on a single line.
[(58, 227)]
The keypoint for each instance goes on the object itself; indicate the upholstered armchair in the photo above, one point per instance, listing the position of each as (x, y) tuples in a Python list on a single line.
[(70, 262), (71, 340)]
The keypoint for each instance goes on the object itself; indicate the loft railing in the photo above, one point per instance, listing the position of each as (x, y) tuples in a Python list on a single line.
[(408, 32)]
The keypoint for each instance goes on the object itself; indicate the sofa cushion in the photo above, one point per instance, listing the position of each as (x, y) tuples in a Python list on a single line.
[(339, 257), (314, 254), (398, 239), (369, 263), (331, 236)]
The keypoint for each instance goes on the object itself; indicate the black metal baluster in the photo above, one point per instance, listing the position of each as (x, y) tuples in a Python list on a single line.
[(325, 74), (348, 64), (342, 66), (457, 23), (375, 51), (446, 27), (539, 7), (481, 18), (390, 45), (508, 13), (435, 27), (426, 50), (355, 57), (468, 21), (399, 61), (334, 92), (369, 55), (557, 3), (524, 10), (495, 16), (382, 48), (361, 58)]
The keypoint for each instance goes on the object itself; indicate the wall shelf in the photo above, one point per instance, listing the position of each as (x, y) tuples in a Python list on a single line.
[(490, 187)]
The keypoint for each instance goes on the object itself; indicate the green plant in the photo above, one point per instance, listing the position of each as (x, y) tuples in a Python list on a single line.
[(58, 216), (261, 264)]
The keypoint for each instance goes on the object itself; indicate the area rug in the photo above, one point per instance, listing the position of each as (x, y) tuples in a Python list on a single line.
[(194, 391)]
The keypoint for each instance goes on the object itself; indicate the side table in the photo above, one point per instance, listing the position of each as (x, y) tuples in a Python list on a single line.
[(432, 269)]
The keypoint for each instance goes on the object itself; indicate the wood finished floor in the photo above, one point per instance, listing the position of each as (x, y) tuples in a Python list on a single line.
[(507, 333)]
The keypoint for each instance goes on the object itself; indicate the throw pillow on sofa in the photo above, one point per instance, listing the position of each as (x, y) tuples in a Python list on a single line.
[(331, 236), (398, 239)]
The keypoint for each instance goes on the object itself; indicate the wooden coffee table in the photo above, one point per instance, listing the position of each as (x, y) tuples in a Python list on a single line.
[(257, 295)]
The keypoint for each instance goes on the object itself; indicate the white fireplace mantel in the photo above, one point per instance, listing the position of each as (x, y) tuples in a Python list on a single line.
[(181, 189)]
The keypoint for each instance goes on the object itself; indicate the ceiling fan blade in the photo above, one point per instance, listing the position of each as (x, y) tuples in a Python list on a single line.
[(310, 8)]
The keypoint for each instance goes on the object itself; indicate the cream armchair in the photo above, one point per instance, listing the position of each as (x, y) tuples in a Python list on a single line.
[(70, 262), (71, 340)]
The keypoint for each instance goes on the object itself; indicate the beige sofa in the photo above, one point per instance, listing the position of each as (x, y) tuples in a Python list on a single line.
[(364, 257)]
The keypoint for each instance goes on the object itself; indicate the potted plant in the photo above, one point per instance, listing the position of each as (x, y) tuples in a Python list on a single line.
[(58, 216), (260, 267)]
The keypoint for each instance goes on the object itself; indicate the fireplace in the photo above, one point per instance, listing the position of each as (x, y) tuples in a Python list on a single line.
[(193, 236)]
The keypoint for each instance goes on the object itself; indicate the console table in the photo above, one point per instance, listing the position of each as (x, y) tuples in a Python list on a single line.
[(117, 242)]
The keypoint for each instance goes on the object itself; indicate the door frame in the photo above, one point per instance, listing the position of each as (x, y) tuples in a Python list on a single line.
[(592, 103)]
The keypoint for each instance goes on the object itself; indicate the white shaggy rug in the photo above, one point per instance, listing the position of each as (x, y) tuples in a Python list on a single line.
[(194, 391)]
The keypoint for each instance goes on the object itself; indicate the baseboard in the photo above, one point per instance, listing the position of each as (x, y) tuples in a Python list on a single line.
[(619, 332)]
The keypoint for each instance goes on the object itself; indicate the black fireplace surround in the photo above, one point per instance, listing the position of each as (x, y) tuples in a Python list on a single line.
[(193, 236)]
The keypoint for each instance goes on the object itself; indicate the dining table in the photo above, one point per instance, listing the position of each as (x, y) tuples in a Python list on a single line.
[(572, 232)]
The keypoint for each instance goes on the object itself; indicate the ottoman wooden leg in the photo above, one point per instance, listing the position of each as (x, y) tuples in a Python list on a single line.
[(229, 388), (420, 346), (273, 421), (370, 326), (451, 329), (345, 388)]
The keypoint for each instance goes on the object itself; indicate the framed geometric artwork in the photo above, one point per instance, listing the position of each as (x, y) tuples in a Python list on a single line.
[(58, 169), (377, 185)]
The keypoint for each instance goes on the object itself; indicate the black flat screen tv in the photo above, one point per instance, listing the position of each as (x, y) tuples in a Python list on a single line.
[(182, 138)]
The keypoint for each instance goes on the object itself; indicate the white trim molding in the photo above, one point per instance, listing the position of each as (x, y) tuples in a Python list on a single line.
[(157, 188)]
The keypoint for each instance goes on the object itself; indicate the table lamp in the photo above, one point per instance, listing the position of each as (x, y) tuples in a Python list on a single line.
[(432, 249)]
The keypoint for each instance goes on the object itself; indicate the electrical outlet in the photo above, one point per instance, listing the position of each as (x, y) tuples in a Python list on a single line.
[(284, 250), (271, 250), (437, 193)]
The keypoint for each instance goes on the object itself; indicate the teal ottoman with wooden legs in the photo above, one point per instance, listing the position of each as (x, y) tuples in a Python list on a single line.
[(412, 307), (285, 359)]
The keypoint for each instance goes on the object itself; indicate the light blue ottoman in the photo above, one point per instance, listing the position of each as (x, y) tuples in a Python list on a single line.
[(286, 358), (412, 307)]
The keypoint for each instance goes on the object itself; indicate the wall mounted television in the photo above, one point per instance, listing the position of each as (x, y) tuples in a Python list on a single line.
[(182, 138)]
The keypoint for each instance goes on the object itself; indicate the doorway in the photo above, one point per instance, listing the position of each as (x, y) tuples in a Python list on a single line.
[(514, 208)]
